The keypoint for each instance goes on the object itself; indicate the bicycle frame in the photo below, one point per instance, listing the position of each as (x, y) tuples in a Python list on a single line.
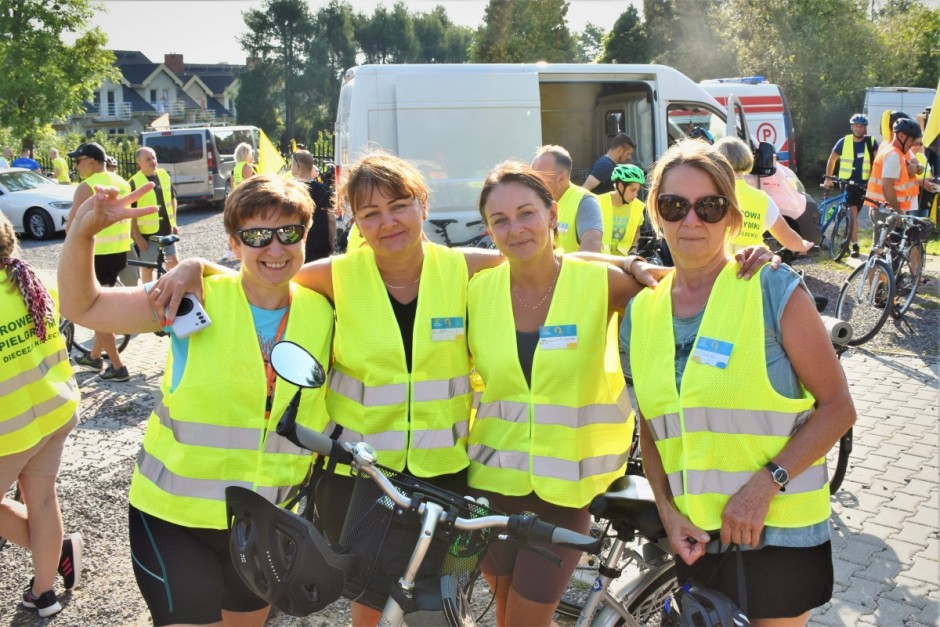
[(828, 209)]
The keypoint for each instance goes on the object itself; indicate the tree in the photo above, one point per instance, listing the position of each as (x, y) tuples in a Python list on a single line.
[(910, 53), (688, 35), (525, 31), (590, 43), (440, 40), (257, 100), (43, 78), (330, 52), (627, 41)]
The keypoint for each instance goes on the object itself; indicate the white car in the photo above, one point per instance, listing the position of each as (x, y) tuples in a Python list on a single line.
[(34, 204)]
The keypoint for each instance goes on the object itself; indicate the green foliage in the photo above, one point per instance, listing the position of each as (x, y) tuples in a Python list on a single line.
[(440, 40), (910, 38), (257, 99), (524, 32), (627, 42), (43, 78), (689, 35), (589, 43)]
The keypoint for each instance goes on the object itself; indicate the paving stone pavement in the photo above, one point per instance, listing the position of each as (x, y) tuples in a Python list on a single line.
[(885, 521)]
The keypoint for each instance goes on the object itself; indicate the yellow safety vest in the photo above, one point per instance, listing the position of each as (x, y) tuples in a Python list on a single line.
[(355, 240), (38, 393), (117, 237), (237, 177), (63, 167), (567, 238), (566, 437), (847, 158), (620, 223), (417, 419), (905, 186), (210, 432), (726, 422), (753, 204), (150, 223)]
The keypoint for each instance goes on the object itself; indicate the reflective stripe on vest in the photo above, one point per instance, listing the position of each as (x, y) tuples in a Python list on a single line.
[(210, 432), (753, 204), (620, 223), (564, 438), (567, 238), (847, 159), (905, 186), (724, 424), (117, 237), (150, 223), (418, 419), (38, 393)]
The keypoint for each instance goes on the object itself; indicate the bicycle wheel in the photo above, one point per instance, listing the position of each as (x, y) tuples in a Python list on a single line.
[(837, 461), (83, 339), (865, 300), (644, 599), (841, 234), (906, 280)]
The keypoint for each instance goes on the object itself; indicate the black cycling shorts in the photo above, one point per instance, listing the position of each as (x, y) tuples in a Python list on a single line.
[(184, 574), (855, 196), (107, 267)]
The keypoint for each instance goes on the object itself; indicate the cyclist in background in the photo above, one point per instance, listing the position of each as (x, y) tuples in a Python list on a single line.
[(622, 210), (855, 154)]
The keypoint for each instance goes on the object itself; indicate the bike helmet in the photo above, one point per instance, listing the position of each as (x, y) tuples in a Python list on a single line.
[(282, 557), (858, 118), (907, 126), (628, 173), (700, 132), (703, 607), (897, 115)]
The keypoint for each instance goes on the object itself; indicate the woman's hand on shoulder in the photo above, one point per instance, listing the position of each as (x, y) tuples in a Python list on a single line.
[(752, 259)]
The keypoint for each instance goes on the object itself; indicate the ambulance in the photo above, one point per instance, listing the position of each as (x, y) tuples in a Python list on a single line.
[(766, 109)]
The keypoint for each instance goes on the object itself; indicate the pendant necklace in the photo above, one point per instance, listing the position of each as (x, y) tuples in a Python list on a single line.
[(551, 288)]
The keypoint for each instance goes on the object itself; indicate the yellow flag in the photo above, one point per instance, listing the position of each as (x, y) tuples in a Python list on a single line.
[(933, 123), (293, 146), (269, 159)]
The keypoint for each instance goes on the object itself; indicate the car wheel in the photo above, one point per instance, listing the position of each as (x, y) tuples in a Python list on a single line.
[(38, 224)]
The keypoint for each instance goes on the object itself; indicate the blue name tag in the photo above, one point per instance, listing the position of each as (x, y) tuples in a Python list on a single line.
[(558, 337), (445, 329), (712, 352)]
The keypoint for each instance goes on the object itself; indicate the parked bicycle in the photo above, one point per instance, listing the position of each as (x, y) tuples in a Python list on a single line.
[(835, 212), (887, 282), (81, 339), (480, 240)]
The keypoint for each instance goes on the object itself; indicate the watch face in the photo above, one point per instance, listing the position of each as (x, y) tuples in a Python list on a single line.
[(781, 476)]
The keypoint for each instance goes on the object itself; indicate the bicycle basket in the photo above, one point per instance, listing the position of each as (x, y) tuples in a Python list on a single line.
[(382, 536), (922, 230)]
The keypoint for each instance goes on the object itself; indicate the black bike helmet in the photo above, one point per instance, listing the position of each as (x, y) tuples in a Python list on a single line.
[(700, 132), (282, 557), (858, 118), (703, 607), (628, 173), (907, 126)]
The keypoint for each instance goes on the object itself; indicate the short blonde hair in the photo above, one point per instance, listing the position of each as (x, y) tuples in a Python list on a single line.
[(386, 172), (737, 153), (263, 194), (242, 151), (701, 156)]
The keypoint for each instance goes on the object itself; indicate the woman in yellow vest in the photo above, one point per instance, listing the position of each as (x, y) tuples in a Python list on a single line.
[(759, 210), (737, 411), (244, 164), (622, 210), (214, 425), (38, 408)]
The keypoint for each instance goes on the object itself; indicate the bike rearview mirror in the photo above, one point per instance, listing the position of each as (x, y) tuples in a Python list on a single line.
[(294, 363)]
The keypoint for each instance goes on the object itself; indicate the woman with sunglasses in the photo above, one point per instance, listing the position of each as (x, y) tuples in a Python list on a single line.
[(214, 425), (741, 396)]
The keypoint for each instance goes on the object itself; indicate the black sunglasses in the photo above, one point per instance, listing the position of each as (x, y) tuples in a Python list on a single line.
[(260, 237), (710, 209)]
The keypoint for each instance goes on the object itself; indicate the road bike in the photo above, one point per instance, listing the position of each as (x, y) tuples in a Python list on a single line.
[(836, 212), (887, 282), (479, 240), (81, 339)]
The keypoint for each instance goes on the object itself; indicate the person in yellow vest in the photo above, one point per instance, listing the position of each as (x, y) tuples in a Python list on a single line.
[(39, 401), (244, 164), (60, 169), (737, 411), (214, 424), (111, 248), (759, 210), (622, 210), (161, 223), (854, 153), (580, 223)]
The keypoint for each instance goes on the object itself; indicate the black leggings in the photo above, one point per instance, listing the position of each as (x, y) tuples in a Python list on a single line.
[(184, 574)]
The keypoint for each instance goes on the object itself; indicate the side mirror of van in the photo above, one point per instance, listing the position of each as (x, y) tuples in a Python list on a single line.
[(764, 160), (613, 123)]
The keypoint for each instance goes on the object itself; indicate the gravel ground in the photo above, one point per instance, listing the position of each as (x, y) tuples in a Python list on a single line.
[(96, 470)]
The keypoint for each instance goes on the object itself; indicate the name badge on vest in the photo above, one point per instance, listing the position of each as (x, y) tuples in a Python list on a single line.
[(558, 337), (711, 352), (445, 329)]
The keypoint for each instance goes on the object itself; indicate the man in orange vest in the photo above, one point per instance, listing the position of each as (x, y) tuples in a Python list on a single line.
[(891, 180)]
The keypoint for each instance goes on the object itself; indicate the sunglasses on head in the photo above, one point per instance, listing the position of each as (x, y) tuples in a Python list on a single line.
[(260, 237), (710, 209)]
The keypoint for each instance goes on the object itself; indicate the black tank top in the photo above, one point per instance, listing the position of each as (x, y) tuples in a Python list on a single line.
[(405, 315)]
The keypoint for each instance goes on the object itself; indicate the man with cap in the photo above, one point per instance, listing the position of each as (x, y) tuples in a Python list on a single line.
[(163, 222), (111, 246)]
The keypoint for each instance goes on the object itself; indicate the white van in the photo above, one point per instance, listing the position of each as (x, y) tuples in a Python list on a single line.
[(455, 122), (910, 100), (199, 159), (767, 111)]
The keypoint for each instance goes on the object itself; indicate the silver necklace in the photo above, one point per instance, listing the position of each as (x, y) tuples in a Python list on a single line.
[(551, 288), (401, 287)]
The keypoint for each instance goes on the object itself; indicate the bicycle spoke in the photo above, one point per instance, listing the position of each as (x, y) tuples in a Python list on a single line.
[(865, 300)]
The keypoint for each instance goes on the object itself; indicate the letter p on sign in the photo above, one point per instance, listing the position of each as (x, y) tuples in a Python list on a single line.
[(767, 133)]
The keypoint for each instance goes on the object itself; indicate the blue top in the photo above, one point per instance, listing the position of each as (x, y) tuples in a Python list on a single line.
[(26, 162)]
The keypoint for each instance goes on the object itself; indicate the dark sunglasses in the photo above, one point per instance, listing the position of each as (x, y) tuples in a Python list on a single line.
[(261, 237), (710, 209)]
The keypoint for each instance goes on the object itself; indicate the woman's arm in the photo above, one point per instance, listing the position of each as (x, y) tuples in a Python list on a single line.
[(82, 300), (481, 259), (790, 239), (810, 352)]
